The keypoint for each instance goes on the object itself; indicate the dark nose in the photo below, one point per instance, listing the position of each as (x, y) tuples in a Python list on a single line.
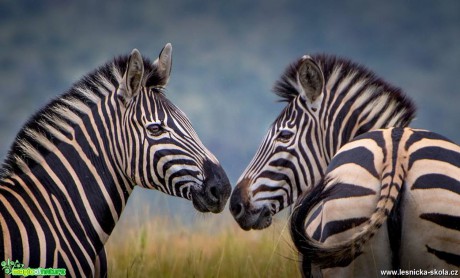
[(237, 199), (216, 185)]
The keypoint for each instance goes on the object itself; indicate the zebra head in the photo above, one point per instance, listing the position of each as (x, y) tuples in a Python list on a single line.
[(329, 101), (162, 150)]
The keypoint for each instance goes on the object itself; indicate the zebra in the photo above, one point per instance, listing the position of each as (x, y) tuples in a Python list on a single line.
[(330, 100), (69, 172), (389, 200)]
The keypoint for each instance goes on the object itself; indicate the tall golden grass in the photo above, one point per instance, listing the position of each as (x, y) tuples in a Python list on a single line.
[(213, 246)]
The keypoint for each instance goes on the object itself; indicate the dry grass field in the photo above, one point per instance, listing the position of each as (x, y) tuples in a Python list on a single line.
[(213, 246)]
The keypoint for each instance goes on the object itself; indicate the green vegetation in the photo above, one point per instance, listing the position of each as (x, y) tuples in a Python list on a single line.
[(212, 247)]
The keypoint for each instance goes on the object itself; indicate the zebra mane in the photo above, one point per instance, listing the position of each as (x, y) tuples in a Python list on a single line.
[(286, 87), (61, 111)]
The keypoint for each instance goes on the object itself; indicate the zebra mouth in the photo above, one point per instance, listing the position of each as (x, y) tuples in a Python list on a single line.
[(257, 220), (205, 202), (264, 220)]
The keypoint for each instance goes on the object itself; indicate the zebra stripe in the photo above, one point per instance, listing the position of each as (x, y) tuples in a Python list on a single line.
[(389, 200), (72, 167), (329, 102)]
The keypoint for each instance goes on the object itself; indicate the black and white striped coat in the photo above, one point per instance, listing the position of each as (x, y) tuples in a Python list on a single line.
[(73, 166), (390, 200)]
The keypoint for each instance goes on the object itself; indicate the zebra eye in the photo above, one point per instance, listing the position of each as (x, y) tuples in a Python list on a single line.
[(284, 136), (155, 129)]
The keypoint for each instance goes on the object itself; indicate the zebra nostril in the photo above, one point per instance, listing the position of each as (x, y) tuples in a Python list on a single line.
[(237, 210), (213, 193)]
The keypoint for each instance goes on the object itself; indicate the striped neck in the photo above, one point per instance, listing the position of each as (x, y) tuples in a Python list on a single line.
[(68, 154)]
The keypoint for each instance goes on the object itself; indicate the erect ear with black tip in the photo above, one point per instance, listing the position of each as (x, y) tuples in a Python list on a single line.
[(163, 64), (311, 79), (132, 80)]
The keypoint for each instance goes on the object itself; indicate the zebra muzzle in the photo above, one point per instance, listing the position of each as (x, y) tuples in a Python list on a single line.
[(248, 218), (215, 190)]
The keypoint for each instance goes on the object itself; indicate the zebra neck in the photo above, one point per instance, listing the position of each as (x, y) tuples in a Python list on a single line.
[(352, 114), (70, 167)]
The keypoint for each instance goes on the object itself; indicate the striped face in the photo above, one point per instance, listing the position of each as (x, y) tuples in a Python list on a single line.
[(275, 176), (165, 153), (162, 150), (284, 162)]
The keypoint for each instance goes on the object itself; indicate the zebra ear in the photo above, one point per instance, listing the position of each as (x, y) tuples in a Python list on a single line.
[(132, 80), (311, 79), (163, 64)]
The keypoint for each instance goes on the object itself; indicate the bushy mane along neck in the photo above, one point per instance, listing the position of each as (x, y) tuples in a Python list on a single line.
[(355, 100), (61, 117), (58, 120)]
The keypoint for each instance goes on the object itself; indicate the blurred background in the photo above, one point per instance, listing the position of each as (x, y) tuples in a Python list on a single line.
[(226, 57)]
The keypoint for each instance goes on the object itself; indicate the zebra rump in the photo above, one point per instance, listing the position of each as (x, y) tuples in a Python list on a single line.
[(401, 179)]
